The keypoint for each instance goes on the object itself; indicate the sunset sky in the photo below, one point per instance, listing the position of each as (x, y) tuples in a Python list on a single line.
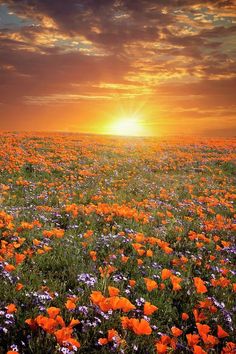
[(91, 65)]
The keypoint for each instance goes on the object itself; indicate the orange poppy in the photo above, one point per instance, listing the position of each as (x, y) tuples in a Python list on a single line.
[(198, 350), (124, 259), (184, 316), (132, 282), (11, 308), (176, 331), (112, 334), (70, 305), (229, 348), (19, 286), (113, 291), (19, 258), (139, 261), (73, 323), (221, 333), (102, 341), (165, 274), (165, 339), (125, 305), (53, 311), (176, 282), (150, 284), (32, 323), (60, 321), (48, 324), (203, 329), (9, 267), (96, 297), (62, 335), (161, 348), (148, 309), (141, 327), (73, 342), (200, 286), (199, 316), (149, 253), (192, 339), (210, 340)]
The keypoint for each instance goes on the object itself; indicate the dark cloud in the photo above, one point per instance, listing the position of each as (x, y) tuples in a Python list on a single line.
[(24, 72), (113, 22)]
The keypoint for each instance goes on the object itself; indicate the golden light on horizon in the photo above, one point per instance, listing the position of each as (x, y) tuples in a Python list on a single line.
[(126, 126)]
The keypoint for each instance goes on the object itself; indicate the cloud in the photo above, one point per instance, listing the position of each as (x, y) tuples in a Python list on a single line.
[(65, 52), (25, 73)]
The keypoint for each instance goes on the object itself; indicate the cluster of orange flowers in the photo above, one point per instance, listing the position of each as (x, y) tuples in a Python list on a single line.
[(55, 325), (109, 211), (149, 222), (113, 302), (11, 253)]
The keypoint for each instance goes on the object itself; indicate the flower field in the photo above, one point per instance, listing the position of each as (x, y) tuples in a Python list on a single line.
[(116, 245)]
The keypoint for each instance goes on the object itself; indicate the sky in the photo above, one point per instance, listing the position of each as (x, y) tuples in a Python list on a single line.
[(167, 67)]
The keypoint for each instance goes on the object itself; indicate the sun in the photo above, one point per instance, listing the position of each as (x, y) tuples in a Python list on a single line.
[(126, 126)]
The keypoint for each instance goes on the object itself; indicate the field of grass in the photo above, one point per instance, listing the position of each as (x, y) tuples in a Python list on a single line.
[(116, 245)]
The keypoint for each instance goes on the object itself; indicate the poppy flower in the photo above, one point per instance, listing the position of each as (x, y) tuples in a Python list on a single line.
[(124, 259), (165, 339), (64, 336), (112, 334), (113, 291), (161, 348), (73, 342), (139, 261), (48, 324), (141, 327), (203, 329), (184, 316), (125, 305), (176, 331), (176, 282), (200, 286), (199, 316), (96, 297), (148, 309), (70, 305), (149, 253), (229, 348), (53, 311), (19, 258), (150, 284), (125, 322), (73, 323), (9, 267), (11, 308), (60, 321), (102, 341), (192, 339), (210, 340), (165, 274), (198, 350), (221, 333), (132, 282)]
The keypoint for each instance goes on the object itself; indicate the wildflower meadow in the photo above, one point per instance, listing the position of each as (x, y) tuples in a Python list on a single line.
[(116, 244)]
